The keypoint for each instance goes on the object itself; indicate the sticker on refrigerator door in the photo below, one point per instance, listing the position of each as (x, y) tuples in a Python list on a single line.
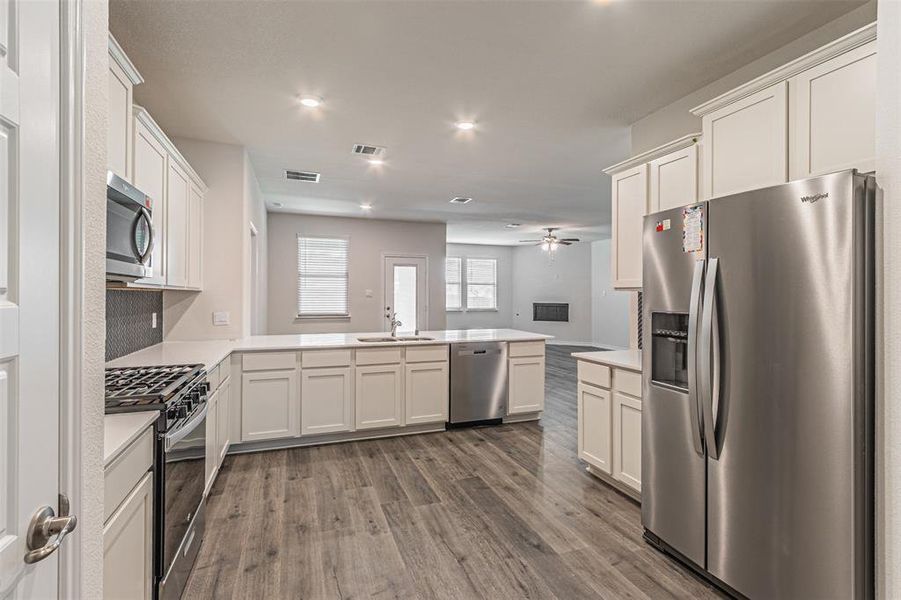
[(664, 225), (692, 229)]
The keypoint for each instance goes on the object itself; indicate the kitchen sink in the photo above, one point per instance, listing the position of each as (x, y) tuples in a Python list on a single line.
[(414, 338), (400, 338), (377, 339)]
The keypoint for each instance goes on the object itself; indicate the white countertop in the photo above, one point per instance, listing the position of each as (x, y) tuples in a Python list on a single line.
[(122, 429), (210, 353), (623, 359)]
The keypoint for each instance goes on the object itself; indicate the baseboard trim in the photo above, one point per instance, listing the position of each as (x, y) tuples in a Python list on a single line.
[(617, 485), (332, 438)]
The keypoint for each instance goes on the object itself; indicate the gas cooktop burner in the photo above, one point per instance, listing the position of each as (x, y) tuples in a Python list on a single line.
[(141, 386)]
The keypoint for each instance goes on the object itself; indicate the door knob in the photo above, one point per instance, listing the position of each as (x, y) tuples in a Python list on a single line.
[(47, 531)]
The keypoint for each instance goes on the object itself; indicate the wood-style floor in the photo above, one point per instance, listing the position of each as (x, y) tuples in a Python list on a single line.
[(500, 512)]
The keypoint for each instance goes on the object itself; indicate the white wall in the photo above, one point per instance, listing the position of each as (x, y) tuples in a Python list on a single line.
[(888, 412), (567, 278), (503, 317), (675, 120), (369, 240), (231, 201), (609, 307), (257, 215)]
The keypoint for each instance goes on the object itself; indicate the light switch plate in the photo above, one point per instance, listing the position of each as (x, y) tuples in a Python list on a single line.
[(369, 293), (220, 317), (153, 320)]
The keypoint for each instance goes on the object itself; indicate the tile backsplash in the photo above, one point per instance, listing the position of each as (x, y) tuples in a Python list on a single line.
[(129, 321)]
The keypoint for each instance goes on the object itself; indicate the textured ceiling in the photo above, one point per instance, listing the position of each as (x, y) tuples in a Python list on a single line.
[(552, 87)]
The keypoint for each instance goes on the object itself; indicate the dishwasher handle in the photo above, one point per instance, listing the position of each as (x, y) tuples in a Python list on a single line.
[(482, 352)]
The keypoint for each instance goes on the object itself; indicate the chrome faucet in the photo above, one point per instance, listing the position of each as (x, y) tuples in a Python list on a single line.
[(392, 317)]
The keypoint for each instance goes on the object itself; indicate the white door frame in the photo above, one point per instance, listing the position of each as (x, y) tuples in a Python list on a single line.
[(254, 280), (401, 255)]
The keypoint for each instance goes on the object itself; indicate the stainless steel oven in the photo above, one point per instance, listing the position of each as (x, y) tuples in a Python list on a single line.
[(129, 231), (183, 477)]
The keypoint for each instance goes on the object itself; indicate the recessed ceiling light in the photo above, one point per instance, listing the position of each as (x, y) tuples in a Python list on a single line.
[(513, 225), (311, 101), (465, 125), (366, 206), (376, 161), (461, 200)]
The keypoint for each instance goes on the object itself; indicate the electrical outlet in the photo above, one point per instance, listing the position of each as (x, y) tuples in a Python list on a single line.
[(153, 320), (220, 317)]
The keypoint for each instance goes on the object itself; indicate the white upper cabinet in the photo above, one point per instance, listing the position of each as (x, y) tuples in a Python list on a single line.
[(746, 143), (177, 226), (195, 237), (674, 179), (630, 204), (150, 177), (122, 78), (833, 115)]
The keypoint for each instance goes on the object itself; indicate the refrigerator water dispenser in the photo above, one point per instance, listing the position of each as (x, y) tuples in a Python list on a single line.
[(669, 352)]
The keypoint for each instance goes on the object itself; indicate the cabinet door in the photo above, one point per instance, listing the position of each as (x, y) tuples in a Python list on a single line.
[(195, 238), (379, 394), (629, 205), (526, 385), (326, 399), (177, 225), (674, 179), (223, 418), (212, 445), (746, 143), (128, 546), (595, 442), (833, 115), (426, 393), (627, 440), (119, 129), (269, 402), (150, 178)]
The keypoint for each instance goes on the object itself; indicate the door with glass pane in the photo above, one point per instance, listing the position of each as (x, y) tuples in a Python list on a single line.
[(406, 291)]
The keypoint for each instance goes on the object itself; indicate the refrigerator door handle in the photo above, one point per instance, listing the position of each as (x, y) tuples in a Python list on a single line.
[(710, 358), (694, 405)]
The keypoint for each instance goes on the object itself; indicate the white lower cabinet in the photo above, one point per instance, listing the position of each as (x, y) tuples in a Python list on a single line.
[(426, 387), (326, 400), (627, 440), (379, 394), (595, 442), (223, 419), (526, 385), (212, 446), (269, 405), (128, 546)]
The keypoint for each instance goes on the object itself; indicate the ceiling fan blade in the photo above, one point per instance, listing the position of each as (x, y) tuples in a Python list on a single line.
[(570, 240), (531, 241), (563, 243)]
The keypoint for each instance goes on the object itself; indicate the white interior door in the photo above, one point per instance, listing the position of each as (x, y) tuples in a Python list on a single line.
[(406, 291), (29, 288)]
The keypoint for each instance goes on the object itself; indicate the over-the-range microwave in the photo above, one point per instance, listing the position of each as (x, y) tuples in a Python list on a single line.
[(129, 231)]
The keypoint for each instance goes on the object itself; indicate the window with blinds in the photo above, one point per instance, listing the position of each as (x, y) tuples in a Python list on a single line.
[(453, 278), (481, 284), (321, 277)]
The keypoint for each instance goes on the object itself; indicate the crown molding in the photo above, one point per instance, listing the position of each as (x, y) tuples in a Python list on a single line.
[(123, 61), (141, 114), (639, 159), (844, 44)]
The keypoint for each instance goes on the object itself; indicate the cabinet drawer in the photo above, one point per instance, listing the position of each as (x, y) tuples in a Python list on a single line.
[(418, 354), (518, 349), (268, 361), (213, 378), (126, 471), (594, 374), (379, 356), (628, 382), (325, 358)]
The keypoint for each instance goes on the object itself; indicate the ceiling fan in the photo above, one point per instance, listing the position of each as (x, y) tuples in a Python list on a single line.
[(550, 241)]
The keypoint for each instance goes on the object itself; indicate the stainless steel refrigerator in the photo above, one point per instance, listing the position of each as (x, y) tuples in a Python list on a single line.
[(757, 418)]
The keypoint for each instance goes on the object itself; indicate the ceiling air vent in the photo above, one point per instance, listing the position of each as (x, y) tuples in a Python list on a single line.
[(367, 150), (302, 176), (461, 200)]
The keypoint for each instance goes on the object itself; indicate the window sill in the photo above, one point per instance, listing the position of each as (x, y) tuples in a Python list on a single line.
[(322, 318), (453, 310), (473, 310)]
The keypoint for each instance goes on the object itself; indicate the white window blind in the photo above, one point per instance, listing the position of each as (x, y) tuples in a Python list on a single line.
[(453, 272), (481, 284), (321, 277)]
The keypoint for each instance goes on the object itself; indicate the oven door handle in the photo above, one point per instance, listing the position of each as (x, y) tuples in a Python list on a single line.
[(173, 437)]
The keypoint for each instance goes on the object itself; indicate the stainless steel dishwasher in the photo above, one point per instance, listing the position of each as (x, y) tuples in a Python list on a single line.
[(478, 386)]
